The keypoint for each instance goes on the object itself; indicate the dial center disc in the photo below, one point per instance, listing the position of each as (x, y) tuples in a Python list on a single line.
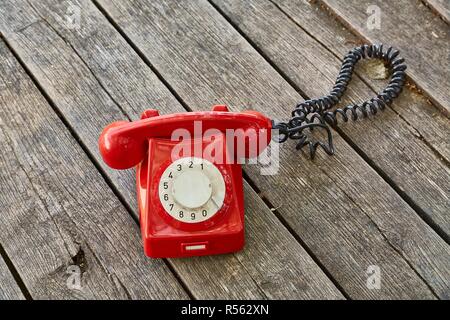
[(192, 189)]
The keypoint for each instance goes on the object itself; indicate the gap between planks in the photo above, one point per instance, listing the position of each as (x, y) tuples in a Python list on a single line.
[(14, 273), (438, 7), (296, 236)]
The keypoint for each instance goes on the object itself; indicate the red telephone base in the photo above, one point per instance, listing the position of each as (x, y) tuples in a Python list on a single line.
[(165, 237)]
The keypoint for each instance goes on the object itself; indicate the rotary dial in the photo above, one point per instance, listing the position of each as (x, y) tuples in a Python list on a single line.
[(192, 190)]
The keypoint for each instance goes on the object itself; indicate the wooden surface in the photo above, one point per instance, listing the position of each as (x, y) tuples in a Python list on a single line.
[(426, 41), (228, 275), (9, 288), (441, 7), (58, 211), (312, 230)]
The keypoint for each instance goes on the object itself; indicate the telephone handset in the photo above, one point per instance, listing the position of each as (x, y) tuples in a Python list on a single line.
[(190, 190)]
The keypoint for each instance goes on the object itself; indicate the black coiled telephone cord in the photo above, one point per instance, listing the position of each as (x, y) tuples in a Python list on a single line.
[(313, 113)]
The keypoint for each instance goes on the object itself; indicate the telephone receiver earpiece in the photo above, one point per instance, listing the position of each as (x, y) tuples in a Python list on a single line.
[(118, 150), (124, 144)]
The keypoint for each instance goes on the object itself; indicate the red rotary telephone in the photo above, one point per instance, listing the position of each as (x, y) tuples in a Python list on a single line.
[(191, 203)]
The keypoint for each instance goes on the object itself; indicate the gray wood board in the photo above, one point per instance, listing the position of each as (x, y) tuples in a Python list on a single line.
[(411, 27), (441, 7), (9, 289), (93, 77), (57, 210), (205, 61)]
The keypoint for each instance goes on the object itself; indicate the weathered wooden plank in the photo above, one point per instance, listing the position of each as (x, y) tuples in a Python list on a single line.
[(411, 27), (272, 257), (9, 289), (57, 211), (423, 118), (441, 7), (87, 61), (348, 216), (389, 141)]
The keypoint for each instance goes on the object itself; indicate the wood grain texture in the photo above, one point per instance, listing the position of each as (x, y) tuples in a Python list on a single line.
[(347, 216), (423, 118), (9, 289), (57, 211), (441, 7), (278, 265), (390, 143), (411, 27), (93, 77)]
